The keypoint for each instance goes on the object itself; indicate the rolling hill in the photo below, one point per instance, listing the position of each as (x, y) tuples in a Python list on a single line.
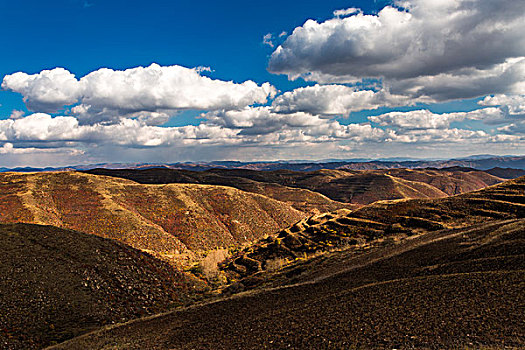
[(56, 284), (375, 224), (356, 187), (480, 162), (426, 274), (171, 221), (300, 198), (175, 214)]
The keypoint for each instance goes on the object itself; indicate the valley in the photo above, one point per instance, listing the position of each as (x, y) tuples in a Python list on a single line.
[(382, 259)]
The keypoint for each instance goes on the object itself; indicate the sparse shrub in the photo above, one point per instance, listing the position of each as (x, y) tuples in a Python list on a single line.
[(209, 265), (275, 264)]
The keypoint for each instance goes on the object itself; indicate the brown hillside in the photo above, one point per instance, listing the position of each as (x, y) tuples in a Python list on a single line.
[(457, 283), (347, 186), (168, 220), (451, 181), (300, 198), (56, 284), (506, 173), (372, 224)]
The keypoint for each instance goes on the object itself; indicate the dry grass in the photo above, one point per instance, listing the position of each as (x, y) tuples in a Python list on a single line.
[(370, 225), (172, 221)]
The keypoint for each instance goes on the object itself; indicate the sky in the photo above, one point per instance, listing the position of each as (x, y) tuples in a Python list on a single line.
[(97, 81)]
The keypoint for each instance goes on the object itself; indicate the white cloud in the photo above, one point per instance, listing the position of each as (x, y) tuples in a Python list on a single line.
[(261, 120), (514, 130), (268, 40), (347, 12), (16, 114), (262, 123), (513, 106), (257, 125), (423, 119), (260, 130), (334, 100), (106, 94), (440, 136), (46, 91), (8, 148), (436, 49), (128, 132), (39, 127)]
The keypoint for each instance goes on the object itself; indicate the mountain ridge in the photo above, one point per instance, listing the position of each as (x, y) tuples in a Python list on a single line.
[(483, 162)]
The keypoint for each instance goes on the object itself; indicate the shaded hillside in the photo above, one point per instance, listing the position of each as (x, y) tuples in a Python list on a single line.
[(506, 173), (446, 288), (56, 284), (171, 221), (451, 181), (372, 224), (356, 187)]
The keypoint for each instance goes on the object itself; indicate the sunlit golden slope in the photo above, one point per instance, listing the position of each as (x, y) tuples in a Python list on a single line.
[(168, 219)]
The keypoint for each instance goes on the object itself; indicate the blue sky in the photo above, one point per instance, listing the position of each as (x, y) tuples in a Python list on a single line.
[(342, 50), (86, 35)]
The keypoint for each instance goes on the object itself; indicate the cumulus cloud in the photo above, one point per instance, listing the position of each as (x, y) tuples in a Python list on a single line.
[(440, 136), (254, 128), (335, 100), (16, 114), (39, 127), (421, 48), (514, 130), (107, 94), (424, 119), (256, 125), (46, 91), (263, 123), (513, 106), (261, 120), (128, 132)]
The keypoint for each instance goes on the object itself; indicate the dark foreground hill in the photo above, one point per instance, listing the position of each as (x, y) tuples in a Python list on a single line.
[(455, 280), (56, 284)]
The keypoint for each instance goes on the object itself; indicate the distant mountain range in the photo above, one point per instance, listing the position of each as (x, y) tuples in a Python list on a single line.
[(480, 162)]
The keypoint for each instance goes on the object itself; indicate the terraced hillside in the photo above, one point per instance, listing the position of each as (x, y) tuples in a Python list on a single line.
[(350, 186), (171, 221), (451, 276), (376, 223), (56, 284)]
